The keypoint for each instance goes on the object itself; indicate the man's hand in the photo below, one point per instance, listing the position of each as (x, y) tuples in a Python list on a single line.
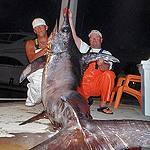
[(103, 65), (64, 13), (44, 50)]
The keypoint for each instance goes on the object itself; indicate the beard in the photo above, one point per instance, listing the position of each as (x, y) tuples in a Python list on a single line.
[(94, 44)]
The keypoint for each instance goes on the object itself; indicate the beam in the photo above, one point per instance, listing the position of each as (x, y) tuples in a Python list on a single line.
[(73, 8)]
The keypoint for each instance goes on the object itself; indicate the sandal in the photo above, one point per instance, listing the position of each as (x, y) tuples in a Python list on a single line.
[(102, 110)]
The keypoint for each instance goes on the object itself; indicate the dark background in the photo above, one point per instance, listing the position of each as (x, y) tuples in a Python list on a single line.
[(123, 23)]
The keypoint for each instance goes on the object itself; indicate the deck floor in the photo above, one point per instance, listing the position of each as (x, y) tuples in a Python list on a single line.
[(15, 137)]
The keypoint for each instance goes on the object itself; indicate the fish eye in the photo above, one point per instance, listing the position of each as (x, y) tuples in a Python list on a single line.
[(65, 29)]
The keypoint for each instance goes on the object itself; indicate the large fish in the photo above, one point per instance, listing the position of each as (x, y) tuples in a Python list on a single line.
[(69, 112)]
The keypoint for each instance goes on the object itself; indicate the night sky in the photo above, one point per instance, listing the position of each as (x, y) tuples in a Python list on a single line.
[(125, 24), (17, 15)]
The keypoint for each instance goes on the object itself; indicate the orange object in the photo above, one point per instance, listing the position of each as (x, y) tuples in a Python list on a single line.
[(96, 82), (123, 86)]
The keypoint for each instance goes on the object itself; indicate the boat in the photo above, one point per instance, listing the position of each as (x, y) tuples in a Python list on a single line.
[(13, 57)]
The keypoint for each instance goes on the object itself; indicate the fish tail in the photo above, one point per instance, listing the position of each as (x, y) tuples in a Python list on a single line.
[(65, 139), (74, 136), (86, 134)]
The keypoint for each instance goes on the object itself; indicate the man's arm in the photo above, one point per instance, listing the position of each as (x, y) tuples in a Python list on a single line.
[(30, 51), (75, 37)]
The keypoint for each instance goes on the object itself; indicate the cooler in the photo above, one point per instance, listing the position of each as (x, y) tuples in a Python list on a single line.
[(145, 86)]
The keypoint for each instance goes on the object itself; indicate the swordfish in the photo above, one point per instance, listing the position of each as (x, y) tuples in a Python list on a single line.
[(68, 111)]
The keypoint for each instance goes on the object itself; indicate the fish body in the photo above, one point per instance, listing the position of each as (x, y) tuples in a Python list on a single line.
[(61, 77), (90, 57), (69, 112)]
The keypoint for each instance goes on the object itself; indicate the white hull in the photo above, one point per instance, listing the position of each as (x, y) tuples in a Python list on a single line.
[(13, 57)]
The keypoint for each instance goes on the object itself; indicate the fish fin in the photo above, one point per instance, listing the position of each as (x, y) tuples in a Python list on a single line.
[(37, 117), (25, 73), (81, 104), (100, 134), (39, 63)]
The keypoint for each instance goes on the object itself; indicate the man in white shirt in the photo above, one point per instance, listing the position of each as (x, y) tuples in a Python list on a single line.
[(98, 79)]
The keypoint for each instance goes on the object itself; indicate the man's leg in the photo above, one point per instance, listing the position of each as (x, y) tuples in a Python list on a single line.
[(101, 84), (105, 85), (90, 101), (34, 88)]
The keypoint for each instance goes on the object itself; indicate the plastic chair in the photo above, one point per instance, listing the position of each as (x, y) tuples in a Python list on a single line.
[(123, 86)]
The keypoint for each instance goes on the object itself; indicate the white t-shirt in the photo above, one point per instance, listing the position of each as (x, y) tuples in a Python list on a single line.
[(85, 47)]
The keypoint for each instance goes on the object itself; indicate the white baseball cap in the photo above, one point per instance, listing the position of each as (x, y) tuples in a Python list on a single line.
[(38, 21), (95, 31)]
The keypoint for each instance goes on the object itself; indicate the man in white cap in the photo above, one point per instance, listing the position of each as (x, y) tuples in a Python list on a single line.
[(98, 79), (35, 49)]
